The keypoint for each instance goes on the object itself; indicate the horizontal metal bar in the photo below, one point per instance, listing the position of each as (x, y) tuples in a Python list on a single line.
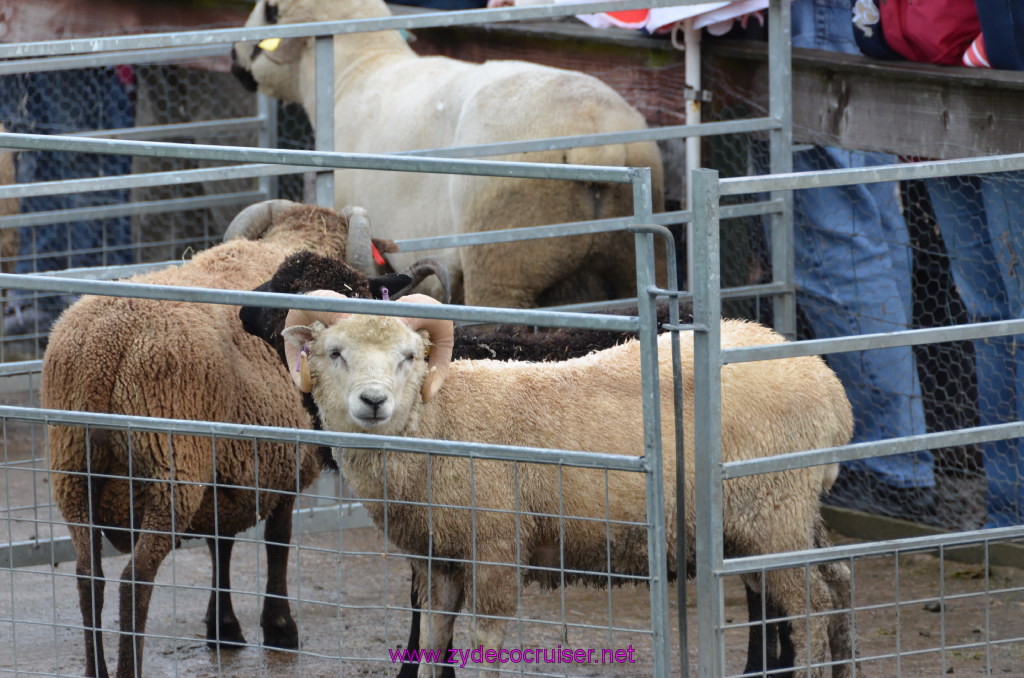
[(733, 566), (204, 295), (447, 448), (877, 448), (229, 35), (867, 175), (576, 141), (178, 129), (506, 235), (130, 209), (750, 209), (110, 272), (146, 180), (35, 552), (91, 59), (20, 367), (319, 159), (865, 342)]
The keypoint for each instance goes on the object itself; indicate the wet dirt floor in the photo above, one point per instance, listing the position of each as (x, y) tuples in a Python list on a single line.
[(346, 629), (350, 601)]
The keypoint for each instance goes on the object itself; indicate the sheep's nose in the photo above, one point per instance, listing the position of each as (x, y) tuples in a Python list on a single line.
[(373, 400)]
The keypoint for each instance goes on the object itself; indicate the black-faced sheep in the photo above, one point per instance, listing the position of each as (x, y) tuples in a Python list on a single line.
[(367, 374), (389, 99), (187, 361)]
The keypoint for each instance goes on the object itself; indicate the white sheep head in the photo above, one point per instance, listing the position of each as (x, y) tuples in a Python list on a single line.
[(367, 373), (273, 64), (283, 67)]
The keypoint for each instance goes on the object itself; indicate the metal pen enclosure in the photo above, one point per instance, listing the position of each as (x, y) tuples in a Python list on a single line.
[(322, 511), (21, 555)]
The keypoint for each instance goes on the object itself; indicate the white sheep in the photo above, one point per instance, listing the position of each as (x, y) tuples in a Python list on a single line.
[(389, 99), (186, 361), (367, 374)]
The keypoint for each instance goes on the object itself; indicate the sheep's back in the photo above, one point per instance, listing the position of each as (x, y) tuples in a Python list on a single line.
[(176, 360), (593, 404)]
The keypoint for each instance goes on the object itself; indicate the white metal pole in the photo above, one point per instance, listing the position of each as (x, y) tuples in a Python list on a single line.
[(691, 56)]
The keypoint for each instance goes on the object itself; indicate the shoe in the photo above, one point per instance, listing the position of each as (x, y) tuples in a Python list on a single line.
[(26, 331), (28, 320), (863, 491)]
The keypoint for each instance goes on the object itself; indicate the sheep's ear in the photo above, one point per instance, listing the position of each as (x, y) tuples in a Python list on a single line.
[(298, 335), (283, 50), (297, 338)]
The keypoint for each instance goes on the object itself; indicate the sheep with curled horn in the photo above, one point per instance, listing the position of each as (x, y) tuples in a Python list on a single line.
[(367, 374), (145, 490)]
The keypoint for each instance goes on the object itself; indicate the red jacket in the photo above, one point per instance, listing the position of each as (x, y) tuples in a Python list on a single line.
[(932, 31)]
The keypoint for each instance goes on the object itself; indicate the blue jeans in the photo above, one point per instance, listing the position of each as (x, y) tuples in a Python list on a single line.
[(62, 102), (980, 221), (853, 276)]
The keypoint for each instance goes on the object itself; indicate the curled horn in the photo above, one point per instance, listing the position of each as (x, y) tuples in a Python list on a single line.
[(442, 340), (298, 366), (359, 250), (254, 220), (426, 267)]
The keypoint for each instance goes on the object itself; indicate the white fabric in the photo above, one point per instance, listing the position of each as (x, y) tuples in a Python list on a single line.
[(717, 17)]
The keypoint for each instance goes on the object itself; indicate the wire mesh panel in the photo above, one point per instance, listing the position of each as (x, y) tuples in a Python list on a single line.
[(348, 586), (961, 493)]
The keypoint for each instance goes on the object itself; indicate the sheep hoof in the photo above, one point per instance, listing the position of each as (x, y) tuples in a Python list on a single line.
[(228, 637), (281, 632)]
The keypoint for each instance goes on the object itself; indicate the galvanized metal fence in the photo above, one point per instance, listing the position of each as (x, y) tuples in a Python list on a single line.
[(45, 637), (995, 647)]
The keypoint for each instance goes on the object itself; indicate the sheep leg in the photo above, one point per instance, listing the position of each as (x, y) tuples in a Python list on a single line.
[(136, 589), (88, 543), (837, 577), (763, 641), (279, 629), (810, 635), (437, 620), (408, 669), (222, 627), (840, 640), (495, 598)]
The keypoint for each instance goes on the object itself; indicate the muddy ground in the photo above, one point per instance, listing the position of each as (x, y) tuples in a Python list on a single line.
[(914, 610), (350, 601)]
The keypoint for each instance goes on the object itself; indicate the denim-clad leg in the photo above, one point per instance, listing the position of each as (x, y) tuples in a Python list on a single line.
[(63, 102), (853, 276), (979, 219)]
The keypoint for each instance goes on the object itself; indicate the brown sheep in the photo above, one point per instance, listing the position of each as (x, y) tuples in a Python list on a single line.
[(145, 490)]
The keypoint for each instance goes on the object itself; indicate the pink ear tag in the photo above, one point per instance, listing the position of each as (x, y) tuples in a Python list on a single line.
[(384, 294)]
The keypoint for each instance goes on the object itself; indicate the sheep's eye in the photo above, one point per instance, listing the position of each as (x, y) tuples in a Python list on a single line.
[(270, 13), (409, 357), (335, 354)]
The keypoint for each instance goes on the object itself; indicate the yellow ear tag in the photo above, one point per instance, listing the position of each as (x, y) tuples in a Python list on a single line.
[(270, 44)]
